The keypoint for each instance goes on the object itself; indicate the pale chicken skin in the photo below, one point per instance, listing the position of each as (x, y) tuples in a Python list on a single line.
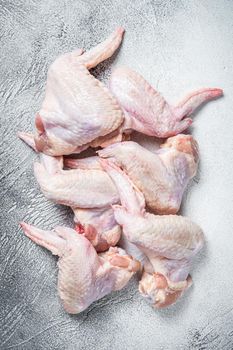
[(84, 276), (98, 225), (147, 111), (170, 242), (78, 108), (80, 112), (82, 188), (88, 190), (163, 175)]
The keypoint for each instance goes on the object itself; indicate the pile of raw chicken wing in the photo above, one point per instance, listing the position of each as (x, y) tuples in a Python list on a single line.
[(125, 198)]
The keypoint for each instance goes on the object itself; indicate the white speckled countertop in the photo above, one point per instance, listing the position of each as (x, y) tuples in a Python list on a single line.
[(178, 46)]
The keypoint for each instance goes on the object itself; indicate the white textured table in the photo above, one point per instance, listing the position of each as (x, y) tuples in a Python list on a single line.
[(178, 46)]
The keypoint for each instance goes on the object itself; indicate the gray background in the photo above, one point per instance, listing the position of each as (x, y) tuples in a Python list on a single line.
[(178, 46)]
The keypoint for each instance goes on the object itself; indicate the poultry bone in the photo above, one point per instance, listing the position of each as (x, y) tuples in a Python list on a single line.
[(84, 276), (146, 111), (88, 190), (170, 242), (78, 108), (161, 176)]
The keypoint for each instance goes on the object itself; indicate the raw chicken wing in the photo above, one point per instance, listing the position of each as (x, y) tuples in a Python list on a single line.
[(84, 276), (161, 176), (78, 108), (147, 111), (88, 190), (170, 242)]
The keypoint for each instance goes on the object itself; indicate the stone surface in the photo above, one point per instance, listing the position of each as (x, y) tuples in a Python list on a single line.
[(178, 46)]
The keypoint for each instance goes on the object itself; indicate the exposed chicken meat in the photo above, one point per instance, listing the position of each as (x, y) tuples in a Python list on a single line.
[(147, 111), (78, 108), (98, 225), (84, 276), (170, 242), (161, 176)]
